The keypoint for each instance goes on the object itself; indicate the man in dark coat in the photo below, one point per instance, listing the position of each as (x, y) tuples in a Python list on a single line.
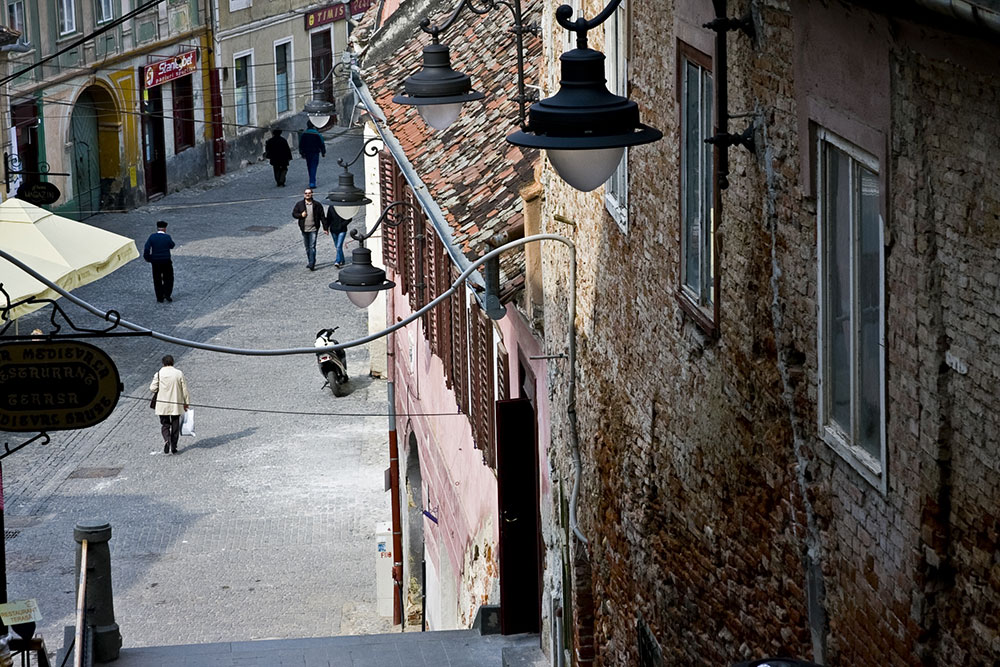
[(311, 146), (278, 153), (311, 218), (157, 253)]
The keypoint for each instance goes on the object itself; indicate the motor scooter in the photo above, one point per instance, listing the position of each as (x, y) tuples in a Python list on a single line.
[(332, 365)]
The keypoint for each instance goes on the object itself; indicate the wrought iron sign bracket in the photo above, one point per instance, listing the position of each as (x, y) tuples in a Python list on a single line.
[(8, 450), (78, 332), (12, 167)]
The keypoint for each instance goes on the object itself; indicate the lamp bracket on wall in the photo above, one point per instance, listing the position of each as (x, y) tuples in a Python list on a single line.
[(722, 25), (727, 24), (727, 139)]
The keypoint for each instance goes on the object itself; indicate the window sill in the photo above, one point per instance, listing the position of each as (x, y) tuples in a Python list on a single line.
[(862, 462), (701, 317)]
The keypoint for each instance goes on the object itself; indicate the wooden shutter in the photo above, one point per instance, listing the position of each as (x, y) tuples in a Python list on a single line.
[(443, 312), (460, 346), (503, 374), (481, 382), (387, 176), (414, 223)]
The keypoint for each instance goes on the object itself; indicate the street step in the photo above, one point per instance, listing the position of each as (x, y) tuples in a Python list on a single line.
[(455, 648)]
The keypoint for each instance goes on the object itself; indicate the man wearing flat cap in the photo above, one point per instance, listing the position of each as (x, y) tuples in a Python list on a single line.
[(157, 253)]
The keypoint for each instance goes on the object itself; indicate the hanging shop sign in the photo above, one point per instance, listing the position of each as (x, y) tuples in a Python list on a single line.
[(39, 194), (337, 12), (170, 69), (55, 386)]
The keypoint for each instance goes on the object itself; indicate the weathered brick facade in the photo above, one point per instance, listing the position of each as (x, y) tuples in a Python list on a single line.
[(714, 508)]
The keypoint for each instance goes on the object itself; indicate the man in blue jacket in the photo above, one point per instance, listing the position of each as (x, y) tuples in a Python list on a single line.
[(157, 253), (311, 146)]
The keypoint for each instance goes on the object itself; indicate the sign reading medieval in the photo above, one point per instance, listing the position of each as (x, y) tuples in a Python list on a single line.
[(170, 69), (337, 12), (55, 386)]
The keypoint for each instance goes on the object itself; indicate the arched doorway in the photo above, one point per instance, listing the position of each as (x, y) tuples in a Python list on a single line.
[(94, 133)]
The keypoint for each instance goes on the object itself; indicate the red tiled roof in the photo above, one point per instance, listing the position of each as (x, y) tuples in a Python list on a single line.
[(473, 174)]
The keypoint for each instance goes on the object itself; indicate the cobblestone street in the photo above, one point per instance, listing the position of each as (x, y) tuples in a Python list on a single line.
[(263, 526)]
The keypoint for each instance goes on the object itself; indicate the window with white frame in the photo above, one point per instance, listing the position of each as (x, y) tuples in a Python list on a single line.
[(616, 68), (105, 10), (282, 84), (15, 15), (67, 16), (242, 80), (236, 5), (852, 305), (698, 279)]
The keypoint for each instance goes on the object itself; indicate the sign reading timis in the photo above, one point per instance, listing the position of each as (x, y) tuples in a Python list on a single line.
[(55, 386)]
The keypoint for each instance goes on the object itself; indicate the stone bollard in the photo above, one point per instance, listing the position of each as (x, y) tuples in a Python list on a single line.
[(99, 599)]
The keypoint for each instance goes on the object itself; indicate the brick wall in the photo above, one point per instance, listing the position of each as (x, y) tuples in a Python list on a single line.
[(711, 505)]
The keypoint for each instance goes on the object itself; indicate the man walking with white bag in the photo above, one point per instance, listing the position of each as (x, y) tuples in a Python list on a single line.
[(172, 400)]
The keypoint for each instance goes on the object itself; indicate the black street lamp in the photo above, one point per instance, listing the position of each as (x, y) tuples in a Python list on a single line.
[(347, 198), (319, 109), (584, 128), (360, 279)]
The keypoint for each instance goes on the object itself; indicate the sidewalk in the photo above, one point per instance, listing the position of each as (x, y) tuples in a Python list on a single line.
[(263, 526)]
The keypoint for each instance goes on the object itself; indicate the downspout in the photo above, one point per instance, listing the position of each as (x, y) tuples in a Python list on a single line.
[(397, 523), (973, 13)]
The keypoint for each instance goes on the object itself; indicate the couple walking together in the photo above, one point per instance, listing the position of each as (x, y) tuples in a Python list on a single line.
[(311, 218)]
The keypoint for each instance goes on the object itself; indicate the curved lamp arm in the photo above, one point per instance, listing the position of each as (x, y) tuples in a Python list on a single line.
[(564, 16), (382, 218), (370, 151), (340, 69)]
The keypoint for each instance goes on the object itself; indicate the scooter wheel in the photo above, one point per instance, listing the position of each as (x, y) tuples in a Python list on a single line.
[(340, 389)]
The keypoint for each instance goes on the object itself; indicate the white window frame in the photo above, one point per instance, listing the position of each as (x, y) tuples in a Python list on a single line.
[(844, 444), (704, 300), (18, 21), (251, 101), (104, 11), (237, 5), (289, 74), (616, 42), (66, 11)]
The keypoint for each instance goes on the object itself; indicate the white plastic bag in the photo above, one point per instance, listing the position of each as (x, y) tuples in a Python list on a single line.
[(187, 422)]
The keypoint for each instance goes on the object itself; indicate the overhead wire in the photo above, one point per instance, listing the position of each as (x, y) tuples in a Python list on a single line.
[(302, 413)]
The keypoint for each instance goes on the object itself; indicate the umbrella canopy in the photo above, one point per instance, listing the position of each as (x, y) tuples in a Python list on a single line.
[(67, 252)]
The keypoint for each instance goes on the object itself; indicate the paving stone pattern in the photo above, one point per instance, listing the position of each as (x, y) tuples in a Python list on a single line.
[(263, 526)]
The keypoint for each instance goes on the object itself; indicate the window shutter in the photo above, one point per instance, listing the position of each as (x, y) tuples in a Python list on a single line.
[(481, 382), (503, 374), (414, 252), (387, 186), (431, 269), (443, 312), (460, 346)]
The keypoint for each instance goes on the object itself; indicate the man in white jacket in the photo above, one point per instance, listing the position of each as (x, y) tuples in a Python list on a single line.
[(172, 400)]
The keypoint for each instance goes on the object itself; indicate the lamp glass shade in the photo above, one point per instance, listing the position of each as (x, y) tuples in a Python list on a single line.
[(319, 120), (362, 299), (586, 169), (347, 211), (440, 116)]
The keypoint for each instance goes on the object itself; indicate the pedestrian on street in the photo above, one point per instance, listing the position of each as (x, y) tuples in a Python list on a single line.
[(309, 214), (278, 153), (157, 253), (338, 231), (172, 400), (311, 146)]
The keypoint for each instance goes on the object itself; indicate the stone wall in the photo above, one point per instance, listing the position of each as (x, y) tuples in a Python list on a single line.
[(713, 509)]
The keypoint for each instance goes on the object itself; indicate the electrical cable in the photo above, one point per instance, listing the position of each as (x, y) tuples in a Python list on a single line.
[(303, 413)]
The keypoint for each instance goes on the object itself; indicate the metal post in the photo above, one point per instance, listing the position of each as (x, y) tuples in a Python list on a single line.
[(81, 603), (99, 598)]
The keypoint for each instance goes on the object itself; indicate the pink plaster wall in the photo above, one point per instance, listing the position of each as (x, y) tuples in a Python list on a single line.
[(456, 482)]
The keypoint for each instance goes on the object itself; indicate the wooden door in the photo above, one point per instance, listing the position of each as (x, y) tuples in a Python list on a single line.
[(517, 489)]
